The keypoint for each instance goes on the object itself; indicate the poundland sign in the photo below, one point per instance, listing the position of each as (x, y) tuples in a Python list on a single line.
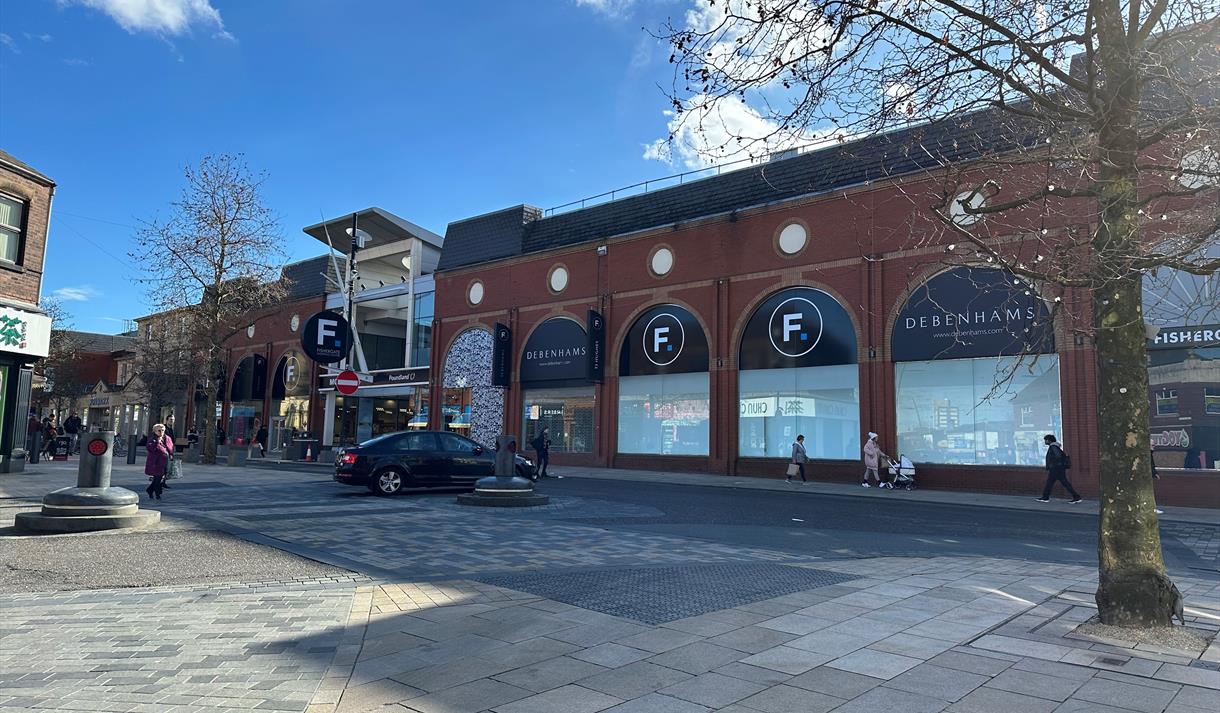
[(1186, 337)]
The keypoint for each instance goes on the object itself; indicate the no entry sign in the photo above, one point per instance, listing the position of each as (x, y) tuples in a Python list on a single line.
[(347, 382)]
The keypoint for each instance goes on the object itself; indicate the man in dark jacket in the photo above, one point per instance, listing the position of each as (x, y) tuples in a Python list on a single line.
[(72, 429), (542, 446), (1056, 469)]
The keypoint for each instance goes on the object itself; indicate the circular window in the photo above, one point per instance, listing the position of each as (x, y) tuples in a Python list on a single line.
[(792, 238), (295, 323), (661, 262), (474, 293), (972, 200), (558, 279), (250, 331)]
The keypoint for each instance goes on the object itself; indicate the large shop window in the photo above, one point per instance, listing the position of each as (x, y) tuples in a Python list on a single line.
[(1184, 396), (976, 375), (567, 412), (557, 365), (664, 402), (799, 376), (991, 410)]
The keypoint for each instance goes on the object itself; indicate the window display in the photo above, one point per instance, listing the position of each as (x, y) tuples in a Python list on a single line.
[(820, 402), (664, 414), (986, 411), (569, 413)]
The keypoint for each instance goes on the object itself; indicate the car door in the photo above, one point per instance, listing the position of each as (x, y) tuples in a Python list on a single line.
[(420, 455), (465, 459)]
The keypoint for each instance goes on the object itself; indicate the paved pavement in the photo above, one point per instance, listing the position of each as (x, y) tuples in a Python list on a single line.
[(605, 600)]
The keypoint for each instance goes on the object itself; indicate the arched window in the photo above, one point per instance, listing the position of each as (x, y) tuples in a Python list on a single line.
[(799, 376)]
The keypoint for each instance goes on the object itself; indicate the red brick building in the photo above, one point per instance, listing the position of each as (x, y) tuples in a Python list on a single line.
[(741, 310), (25, 331)]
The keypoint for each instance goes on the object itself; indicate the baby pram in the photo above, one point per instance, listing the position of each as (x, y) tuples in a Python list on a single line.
[(902, 473)]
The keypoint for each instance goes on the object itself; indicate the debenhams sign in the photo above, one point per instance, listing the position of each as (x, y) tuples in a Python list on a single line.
[(556, 351)]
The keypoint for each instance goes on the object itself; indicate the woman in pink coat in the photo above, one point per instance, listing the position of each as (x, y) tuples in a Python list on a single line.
[(160, 450), (872, 461)]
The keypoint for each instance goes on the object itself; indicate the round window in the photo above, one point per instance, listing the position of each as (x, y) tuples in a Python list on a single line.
[(295, 323), (558, 279), (250, 332), (662, 261), (475, 292), (792, 238), (972, 200)]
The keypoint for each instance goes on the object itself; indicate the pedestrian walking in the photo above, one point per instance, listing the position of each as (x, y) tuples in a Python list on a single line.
[(872, 462), (49, 434), (542, 447), (261, 439), (799, 458), (72, 429), (33, 427), (160, 450), (1057, 465)]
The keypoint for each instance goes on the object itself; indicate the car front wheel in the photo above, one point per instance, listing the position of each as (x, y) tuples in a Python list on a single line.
[(387, 482)]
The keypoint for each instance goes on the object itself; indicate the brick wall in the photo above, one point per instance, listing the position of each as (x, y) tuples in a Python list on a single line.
[(23, 282)]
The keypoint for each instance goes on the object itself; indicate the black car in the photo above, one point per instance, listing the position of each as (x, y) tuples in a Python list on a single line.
[(419, 459)]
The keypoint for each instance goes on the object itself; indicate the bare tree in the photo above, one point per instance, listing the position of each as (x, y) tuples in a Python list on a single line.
[(166, 365), (1091, 164), (215, 259), (62, 367)]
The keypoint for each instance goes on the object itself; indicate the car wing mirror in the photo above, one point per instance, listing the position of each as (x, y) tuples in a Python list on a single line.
[(478, 450)]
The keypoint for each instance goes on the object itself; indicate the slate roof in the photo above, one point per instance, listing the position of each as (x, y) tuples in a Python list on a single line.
[(92, 343), (308, 276), (11, 162), (512, 232)]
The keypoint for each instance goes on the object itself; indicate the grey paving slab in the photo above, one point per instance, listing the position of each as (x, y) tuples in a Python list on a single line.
[(657, 703), (878, 664), (1073, 705), (752, 639), (699, 657), (945, 684), (1035, 684), (529, 651), (787, 659), (889, 700), (1125, 695), (789, 699), (552, 673), (757, 674), (1198, 697), (713, 689), (835, 682), (920, 647), (994, 700), (611, 655), (370, 696), (634, 680), (478, 695), (832, 644), (569, 699)]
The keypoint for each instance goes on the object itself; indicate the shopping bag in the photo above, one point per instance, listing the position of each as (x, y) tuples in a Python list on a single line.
[(793, 469), (175, 470)]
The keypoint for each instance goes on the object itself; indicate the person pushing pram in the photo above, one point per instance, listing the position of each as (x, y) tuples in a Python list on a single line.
[(902, 473)]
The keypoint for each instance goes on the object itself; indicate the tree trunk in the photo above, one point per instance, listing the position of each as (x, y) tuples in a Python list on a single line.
[(1133, 589)]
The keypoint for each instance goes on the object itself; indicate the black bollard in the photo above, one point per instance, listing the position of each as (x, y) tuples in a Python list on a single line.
[(36, 444), (131, 450)]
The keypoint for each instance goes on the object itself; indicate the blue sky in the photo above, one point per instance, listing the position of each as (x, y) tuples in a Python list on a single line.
[(434, 111)]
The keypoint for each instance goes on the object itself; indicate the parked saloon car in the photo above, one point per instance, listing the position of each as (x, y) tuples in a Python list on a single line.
[(419, 459)]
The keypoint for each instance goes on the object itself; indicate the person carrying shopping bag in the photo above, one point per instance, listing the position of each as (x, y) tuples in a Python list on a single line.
[(160, 451), (799, 458)]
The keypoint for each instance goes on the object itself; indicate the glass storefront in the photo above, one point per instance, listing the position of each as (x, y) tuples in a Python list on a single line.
[(665, 414), (457, 409), (1184, 397), (289, 416), (357, 419), (568, 412), (984, 411), (421, 339), (820, 402)]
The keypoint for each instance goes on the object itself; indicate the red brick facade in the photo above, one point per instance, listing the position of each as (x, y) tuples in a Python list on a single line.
[(22, 281), (724, 267)]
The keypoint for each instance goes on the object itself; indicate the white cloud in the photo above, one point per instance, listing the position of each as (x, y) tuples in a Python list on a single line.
[(83, 293), (160, 17), (611, 8), (75, 62), (43, 37), (7, 41)]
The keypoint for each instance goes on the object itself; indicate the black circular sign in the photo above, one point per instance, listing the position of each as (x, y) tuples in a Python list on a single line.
[(327, 338), (666, 339), (798, 327)]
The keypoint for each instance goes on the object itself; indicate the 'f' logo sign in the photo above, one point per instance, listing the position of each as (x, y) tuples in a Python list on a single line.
[(796, 327), (663, 339)]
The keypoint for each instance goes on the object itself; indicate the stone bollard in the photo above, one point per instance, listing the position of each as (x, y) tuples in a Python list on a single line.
[(505, 488), (237, 456), (93, 504)]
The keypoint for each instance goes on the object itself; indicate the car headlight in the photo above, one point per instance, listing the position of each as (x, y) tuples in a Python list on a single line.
[(528, 462)]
